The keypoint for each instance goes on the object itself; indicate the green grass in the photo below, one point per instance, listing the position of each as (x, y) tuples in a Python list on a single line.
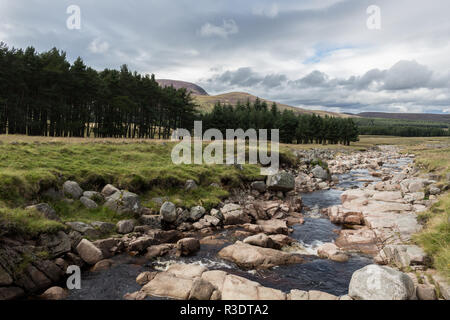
[(435, 239), (29, 168), (26, 222)]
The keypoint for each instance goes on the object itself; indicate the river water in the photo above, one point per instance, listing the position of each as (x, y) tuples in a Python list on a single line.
[(314, 274)]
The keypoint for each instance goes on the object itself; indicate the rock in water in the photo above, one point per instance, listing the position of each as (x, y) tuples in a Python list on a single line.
[(282, 181), (54, 293), (375, 282), (168, 212), (187, 246), (89, 252), (72, 189)]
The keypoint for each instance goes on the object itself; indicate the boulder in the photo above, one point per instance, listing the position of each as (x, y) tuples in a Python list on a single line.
[(125, 226), (259, 186), (88, 203), (55, 244), (104, 227), (388, 196), (190, 185), (145, 277), (46, 210), (273, 226), (92, 195), (298, 295), (54, 293), (282, 181), (123, 202), (72, 189), (239, 288), (89, 252), (187, 246), (262, 240), (375, 282), (405, 255), (189, 271), (319, 295), (332, 252), (102, 265), (167, 285), (5, 278), (197, 213), (252, 257), (362, 240), (158, 250), (216, 214), (320, 173), (201, 290), (109, 190), (426, 292), (11, 293), (168, 212), (234, 214)]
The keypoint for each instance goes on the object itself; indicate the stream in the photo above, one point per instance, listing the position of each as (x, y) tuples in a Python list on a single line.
[(314, 274)]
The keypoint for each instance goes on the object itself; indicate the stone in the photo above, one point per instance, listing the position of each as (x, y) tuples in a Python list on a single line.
[(332, 252), (261, 240), (362, 240), (239, 288), (56, 244), (442, 284), (434, 190), (273, 226), (11, 293), (189, 271), (138, 295), (388, 196), (109, 247), (145, 277), (212, 220), (259, 186), (158, 250), (319, 295), (5, 278), (282, 181), (109, 190), (46, 210), (426, 292), (251, 257), (125, 226), (201, 290), (197, 213), (89, 252), (405, 255), (375, 282), (102, 265), (166, 284), (190, 185), (72, 189), (104, 227), (298, 295), (168, 212), (320, 173), (54, 293), (234, 214), (216, 214), (88, 203), (124, 202), (215, 277), (92, 195), (187, 246)]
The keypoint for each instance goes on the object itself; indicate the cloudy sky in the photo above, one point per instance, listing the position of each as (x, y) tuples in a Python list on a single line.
[(316, 54)]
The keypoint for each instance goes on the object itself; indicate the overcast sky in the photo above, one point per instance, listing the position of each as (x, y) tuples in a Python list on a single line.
[(316, 54)]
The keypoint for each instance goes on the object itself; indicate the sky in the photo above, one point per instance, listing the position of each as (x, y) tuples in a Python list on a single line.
[(336, 55)]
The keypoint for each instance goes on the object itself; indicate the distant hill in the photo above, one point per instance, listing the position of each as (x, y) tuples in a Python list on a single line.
[(407, 116), (195, 89), (207, 103)]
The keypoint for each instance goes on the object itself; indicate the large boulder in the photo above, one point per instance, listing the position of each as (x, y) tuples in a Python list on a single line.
[(262, 240), (234, 214), (168, 212), (375, 282), (252, 257), (89, 252), (282, 181), (125, 226), (187, 246), (72, 190), (54, 293), (197, 213), (320, 173), (124, 202)]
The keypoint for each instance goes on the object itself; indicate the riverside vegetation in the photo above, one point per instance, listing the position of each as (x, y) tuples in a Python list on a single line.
[(33, 170)]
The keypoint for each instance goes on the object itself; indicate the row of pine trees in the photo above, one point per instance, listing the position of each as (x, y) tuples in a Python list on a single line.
[(42, 94), (294, 128)]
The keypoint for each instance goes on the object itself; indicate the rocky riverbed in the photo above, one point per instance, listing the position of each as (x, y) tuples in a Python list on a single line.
[(338, 226)]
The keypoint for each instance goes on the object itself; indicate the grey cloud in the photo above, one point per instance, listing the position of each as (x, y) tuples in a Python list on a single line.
[(407, 75)]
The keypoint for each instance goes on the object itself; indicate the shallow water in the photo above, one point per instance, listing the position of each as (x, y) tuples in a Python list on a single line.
[(314, 274)]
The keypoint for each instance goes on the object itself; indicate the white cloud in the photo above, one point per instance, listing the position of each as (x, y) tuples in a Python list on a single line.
[(228, 27), (98, 46), (270, 11)]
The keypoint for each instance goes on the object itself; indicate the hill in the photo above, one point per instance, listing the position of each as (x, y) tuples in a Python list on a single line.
[(206, 103), (407, 116), (195, 89)]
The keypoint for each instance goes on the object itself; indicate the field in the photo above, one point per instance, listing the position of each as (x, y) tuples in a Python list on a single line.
[(30, 165)]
